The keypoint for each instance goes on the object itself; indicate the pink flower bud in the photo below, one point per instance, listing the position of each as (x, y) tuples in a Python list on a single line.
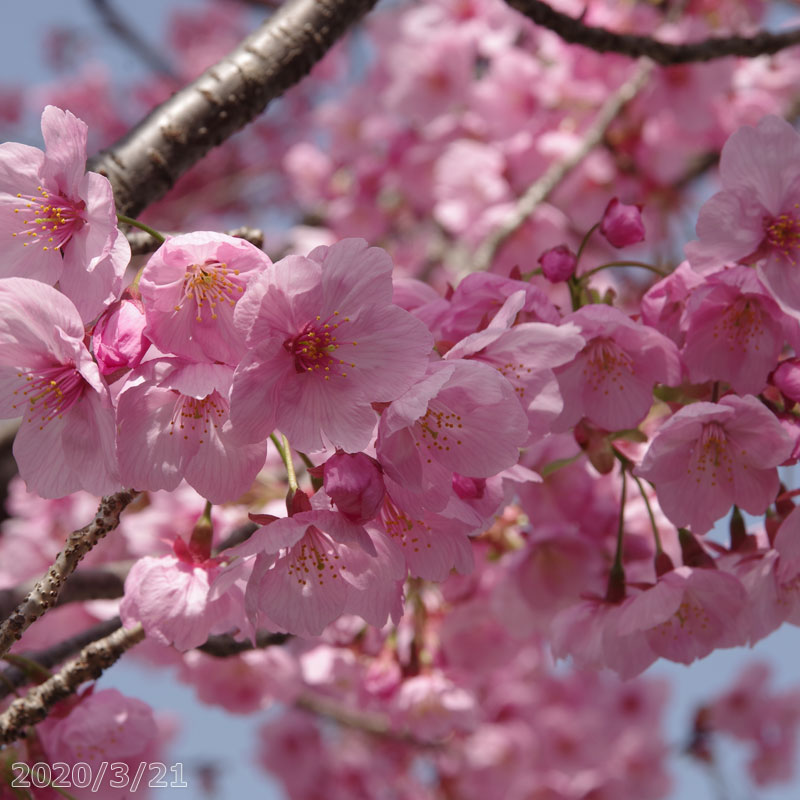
[(558, 263), (118, 340), (787, 379), (355, 484), (622, 224)]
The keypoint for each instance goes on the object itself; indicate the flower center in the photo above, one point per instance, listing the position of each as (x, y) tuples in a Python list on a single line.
[(606, 362), (782, 233), (49, 393), (740, 324), (438, 430), (314, 557), (712, 458), (407, 532), (192, 416), (314, 346), (49, 220), (209, 285)]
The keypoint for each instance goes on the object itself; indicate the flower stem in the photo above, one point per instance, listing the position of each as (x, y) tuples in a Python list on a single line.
[(286, 456), (610, 264), (656, 536), (585, 241), (142, 227), (616, 577)]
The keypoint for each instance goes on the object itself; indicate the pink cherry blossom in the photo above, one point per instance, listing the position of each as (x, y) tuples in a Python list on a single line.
[(766, 719), (432, 707), (244, 683), (172, 419), (315, 565), (755, 218), (60, 224), (622, 224), (708, 456), (102, 726), (326, 342), (525, 355), (190, 287), (462, 417), (430, 545), (687, 614), (118, 340), (47, 376), (558, 263), (355, 485), (734, 331), (611, 380), (480, 296), (170, 597), (663, 304)]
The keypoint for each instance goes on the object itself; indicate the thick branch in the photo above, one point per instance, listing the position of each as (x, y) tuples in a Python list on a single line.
[(46, 591), (602, 40), (146, 162), (540, 189), (89, 665)]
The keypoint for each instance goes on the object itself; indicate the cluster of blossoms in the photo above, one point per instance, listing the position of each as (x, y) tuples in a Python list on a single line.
[(550, 445)]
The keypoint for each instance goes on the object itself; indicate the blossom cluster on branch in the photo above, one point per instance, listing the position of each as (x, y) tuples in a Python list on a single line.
[(394, 486)]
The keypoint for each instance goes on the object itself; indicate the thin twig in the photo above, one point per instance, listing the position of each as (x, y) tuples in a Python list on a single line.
[(13, 677), (89, 665), (540, 189), (147, 161), (370, 722), (46, 591), (575, 31), (120, 27)]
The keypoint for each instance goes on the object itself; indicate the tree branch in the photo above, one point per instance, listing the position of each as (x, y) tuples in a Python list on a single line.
[(370, 722), (13, 677), (95, 583), (540, 189), (117, 24), (147, 161), (46, 591), (90, 664), (225, 646), (602, 40), (143, 243)]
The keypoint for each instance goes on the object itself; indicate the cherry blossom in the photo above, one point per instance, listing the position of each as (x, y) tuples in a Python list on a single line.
[(59, 223), (708, 456), (48, 377), (190, 288), (325, 342)]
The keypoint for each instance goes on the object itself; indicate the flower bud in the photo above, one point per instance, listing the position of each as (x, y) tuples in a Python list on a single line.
[(787, 379), (622, 224), (558, 263), (118, 339), (355, 484)]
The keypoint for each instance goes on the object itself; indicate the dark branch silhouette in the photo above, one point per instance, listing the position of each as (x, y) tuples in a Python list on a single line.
[(602, 40), (147, 161), (119, 26), (90, 664)]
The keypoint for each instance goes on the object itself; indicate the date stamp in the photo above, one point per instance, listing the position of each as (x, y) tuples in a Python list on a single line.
[(112, 774)]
